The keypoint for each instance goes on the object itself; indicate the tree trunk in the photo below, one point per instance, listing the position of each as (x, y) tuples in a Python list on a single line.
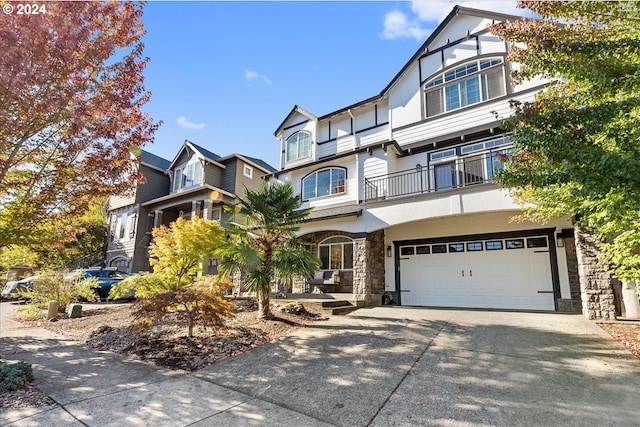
[(264, 310), (190, 333)]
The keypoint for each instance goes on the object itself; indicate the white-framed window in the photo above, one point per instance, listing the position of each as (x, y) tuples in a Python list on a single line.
[(247, 171), (121, 227), (216, 214), (324, 182), (467, 84), (336, 253), (131, 225), (187, 176), (298, 146)]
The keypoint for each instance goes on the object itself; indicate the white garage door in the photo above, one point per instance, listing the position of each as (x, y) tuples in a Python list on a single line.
[(497, 273)]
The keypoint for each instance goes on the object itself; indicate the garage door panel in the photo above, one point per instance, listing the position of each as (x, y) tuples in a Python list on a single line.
[(503, 278)]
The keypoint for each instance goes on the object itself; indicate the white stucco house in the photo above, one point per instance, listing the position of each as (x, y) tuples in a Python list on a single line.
[(405, 207)]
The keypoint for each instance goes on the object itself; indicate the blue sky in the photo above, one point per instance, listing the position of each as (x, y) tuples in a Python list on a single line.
[(225, 74)]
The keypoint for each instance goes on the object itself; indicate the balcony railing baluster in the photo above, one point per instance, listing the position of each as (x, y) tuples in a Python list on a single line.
[(466, 171)]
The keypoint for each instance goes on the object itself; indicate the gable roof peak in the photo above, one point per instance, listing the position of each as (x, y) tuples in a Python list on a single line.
[(296, 109), (424, 47), (201, 151)]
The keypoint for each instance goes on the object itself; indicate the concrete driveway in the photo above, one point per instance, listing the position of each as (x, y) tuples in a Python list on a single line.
[(402, 366), (384, 366)]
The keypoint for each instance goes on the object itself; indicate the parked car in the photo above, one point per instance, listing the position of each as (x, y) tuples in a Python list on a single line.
[(13, 288), (107, 277)]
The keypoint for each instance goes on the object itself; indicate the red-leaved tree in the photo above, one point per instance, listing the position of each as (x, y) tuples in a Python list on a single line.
[(71, 98)]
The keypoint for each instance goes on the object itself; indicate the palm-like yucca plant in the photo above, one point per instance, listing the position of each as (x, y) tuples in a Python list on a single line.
[(264, 243)]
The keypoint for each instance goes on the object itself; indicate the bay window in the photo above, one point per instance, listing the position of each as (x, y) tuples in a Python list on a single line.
[(187, 176)]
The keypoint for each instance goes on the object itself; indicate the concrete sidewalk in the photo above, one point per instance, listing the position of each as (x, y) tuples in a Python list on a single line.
[(381, 367), (99, 388)]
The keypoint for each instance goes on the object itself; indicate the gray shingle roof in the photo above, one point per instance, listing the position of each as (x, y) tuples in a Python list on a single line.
[(153, 160), (205, 152), (260, 163)]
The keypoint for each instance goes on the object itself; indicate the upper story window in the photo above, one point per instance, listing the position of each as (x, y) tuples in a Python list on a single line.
[(247, 171), (187, 176), (468, 84), (298, 146), (324, 182)]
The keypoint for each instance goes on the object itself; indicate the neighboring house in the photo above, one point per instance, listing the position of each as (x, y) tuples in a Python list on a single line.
[(196, 183), (405, 207), (126, 220)]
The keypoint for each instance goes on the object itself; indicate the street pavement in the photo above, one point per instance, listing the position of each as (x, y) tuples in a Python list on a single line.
[(383, 366)]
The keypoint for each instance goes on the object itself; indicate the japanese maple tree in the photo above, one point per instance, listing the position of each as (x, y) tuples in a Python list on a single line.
[(578, 150), (71, 119)]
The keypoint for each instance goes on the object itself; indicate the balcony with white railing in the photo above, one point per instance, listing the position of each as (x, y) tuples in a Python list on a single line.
[(445, 175)]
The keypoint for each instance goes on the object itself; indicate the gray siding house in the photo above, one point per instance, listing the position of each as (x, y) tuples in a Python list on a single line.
[(197, 182)]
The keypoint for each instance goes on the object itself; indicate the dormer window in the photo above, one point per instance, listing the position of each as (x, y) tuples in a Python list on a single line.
[(187, 176), (324, 182), (298, 146), (467, 84)]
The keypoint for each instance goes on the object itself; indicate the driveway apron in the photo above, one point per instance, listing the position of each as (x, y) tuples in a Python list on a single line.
[(392, 366)]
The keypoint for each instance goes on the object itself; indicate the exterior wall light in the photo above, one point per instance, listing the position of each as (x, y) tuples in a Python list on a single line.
[(389, 251), (560, 242)]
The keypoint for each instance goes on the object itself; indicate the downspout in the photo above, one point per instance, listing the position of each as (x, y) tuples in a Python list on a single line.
[(355, 147), (282, 153), (353, 129)]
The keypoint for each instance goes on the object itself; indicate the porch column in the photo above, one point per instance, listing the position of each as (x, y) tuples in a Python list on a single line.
[(195, 208), (206, 209), (368, 267), (157, 219), (595, 282)]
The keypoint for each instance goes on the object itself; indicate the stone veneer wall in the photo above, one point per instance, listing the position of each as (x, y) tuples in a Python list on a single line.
[(368, 268), (574, 304), (598, 302)]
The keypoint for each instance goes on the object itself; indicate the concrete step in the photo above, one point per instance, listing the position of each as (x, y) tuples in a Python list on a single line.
[(341, 310), (328, 304), (335, 303)]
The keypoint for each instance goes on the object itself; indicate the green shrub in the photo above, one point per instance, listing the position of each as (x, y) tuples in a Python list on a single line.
[(53, 286), (141, 286), (15, 375)]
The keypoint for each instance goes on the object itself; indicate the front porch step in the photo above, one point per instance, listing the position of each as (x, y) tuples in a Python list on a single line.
[(324, 305), (340, 310)]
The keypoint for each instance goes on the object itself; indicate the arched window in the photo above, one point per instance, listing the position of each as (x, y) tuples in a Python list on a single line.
[(467, 84), (324, 182), (121, 264), (336, 253), (298, 146)]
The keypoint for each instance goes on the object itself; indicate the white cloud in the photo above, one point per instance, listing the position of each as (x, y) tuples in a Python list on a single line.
[(186, 124), (433, 11), (437, 10), (396, 25), (252, 75)]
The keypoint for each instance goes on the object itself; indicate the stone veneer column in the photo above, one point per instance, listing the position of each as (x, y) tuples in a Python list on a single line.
[(368, 268), (360, 276), (595, 283)]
